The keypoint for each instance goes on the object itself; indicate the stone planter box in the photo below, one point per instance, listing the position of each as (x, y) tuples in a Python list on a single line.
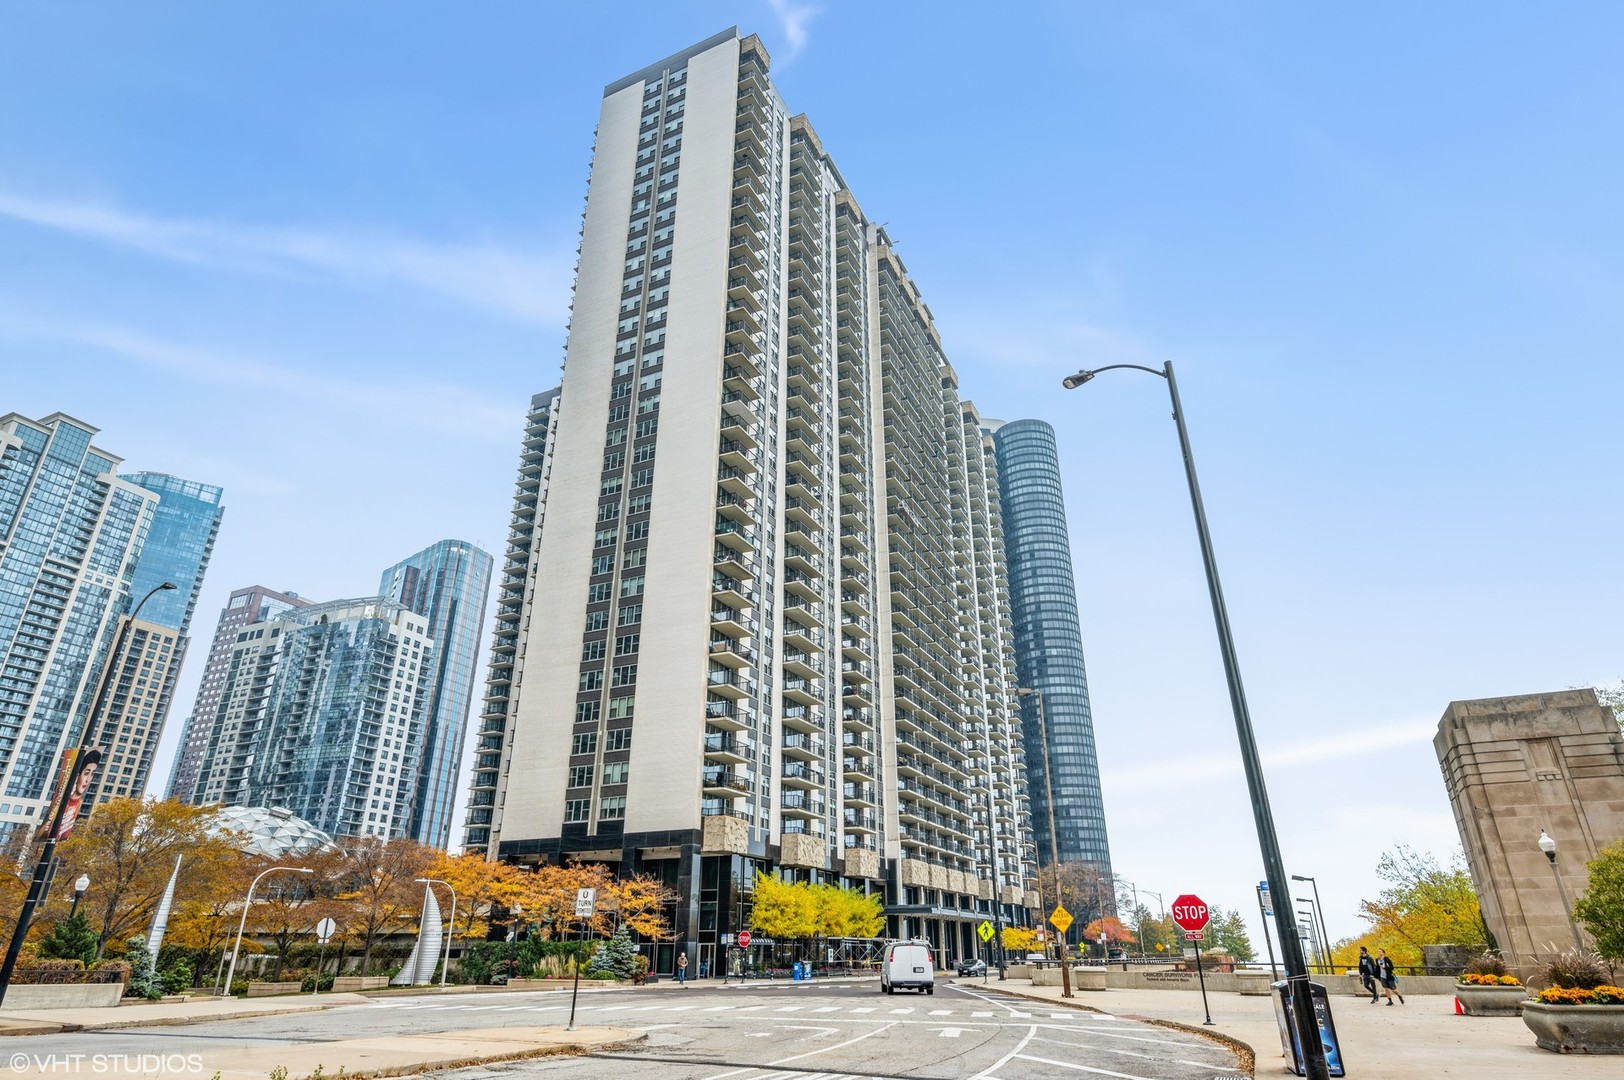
[(1019, 971), (270, 989), (349, 984), (1576, 1029), (1253, 983), (64, 995), (1490, 1000), (1081, 978)]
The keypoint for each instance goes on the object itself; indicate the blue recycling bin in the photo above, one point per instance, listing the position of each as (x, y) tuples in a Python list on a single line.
[(797, 973)]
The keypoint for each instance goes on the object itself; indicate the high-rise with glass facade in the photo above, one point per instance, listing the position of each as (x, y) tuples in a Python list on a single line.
[(71, 530), (177, 551), (446, 583), (1049, 644), (205, 727), (753, 612), (322, 713)]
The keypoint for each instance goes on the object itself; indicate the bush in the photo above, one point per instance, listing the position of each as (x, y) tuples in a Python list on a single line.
[(176, 977), (1487, 964), (142, 981), (1574, 970), (1473, 979), (119, 967), (308, 983), (1601, 907), (1563, 995), (70, 939), (617, 958), (239, 987)]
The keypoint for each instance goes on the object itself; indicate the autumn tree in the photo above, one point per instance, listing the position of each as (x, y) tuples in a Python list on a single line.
[(128, 849), (481, 887), (376, 880), (1111, 928), (638, 903), (783, 910), (847, 913), (1423, 904), (1020, 940), (204, 922)]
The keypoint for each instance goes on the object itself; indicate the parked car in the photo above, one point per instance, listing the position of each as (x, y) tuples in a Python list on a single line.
[(971, 966), (910, 965)]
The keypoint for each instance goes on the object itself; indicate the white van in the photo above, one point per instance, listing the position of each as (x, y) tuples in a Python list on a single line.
[(910, 965)]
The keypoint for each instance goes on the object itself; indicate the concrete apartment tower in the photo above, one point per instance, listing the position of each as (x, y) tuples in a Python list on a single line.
[(71, 532), (1049, 654), (1517, 767), (322, 713), (205, 727), (447, 583), (177, 550), (753, 614)]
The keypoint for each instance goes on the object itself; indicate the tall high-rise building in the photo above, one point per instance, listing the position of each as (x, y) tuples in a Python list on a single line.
[(205, 727), (322, 713), (70, 533), (447, 583), (753, 614), (1049, 645), (177, 550)]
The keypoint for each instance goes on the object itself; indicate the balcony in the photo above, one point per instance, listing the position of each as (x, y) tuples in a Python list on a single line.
[(736, 455), (733, 653), (735, 534), (854, 768), (803, 804), (803, 746), (729, 682), (805, 774), (726, 746), (803, 664), (804, 718), (722, 781), (802, 691), (728, 715), (731, 621)]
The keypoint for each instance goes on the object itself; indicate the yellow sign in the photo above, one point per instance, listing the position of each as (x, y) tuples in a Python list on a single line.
[(1061, 919), (984, 931)]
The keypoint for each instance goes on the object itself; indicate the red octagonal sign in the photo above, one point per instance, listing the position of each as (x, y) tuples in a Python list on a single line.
[(1190, 913)]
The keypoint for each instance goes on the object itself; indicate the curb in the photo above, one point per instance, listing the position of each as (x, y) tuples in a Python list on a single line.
[(561, 1050), (51, 1027), (1246, 1055)]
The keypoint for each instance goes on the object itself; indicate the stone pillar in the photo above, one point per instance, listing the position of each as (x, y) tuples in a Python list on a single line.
[(1516, 765)]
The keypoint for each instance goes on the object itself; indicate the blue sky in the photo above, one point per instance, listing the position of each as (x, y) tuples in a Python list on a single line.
[(321, 254)]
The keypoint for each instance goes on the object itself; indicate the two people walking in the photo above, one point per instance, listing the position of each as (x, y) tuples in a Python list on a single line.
[(1377, 971)]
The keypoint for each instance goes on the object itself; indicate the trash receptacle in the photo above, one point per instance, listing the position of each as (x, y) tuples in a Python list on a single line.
[(796, 971), (1287, 1021)]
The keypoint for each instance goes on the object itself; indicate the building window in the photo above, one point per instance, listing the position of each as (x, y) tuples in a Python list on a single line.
[(632, 586), (618, 739), (626, 644), (586, 743), (629, 614), (592, 650), (614, 772), (621, 707), (577, 809), (623, 675), (640, 478), (586, 712), (612, 808), (581, 776), (597, 620)]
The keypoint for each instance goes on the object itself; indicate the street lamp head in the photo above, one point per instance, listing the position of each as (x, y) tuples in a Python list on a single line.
[(1072, 382), (1547, 845), (168, 586), (82, 884), (1300, 877)]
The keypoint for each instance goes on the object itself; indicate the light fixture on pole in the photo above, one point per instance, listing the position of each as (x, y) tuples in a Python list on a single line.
[(47, 856), (446, 963), (1548, 846), (1319, 908), (1296, 966), (1054, 840), (79, 888), (231, 972)]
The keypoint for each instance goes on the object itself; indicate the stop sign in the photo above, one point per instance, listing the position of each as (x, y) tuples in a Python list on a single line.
[(744, 939), (1190, 913)]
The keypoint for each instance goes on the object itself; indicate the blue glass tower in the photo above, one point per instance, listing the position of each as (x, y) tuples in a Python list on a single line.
[(70, 532), (1049, 645), (447, 583)]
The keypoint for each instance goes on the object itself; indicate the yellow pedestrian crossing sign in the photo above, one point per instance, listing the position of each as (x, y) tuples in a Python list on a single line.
[(1061, 919), (984, 931)]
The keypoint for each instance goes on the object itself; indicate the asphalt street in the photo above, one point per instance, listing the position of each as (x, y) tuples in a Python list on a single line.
[(786, 1031)]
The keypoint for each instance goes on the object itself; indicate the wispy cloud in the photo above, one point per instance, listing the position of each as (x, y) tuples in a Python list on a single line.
[(795, 20), (528, 285), (427, 404), (1344, 744)]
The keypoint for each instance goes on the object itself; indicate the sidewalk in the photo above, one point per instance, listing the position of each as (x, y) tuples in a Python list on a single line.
[(393, 1055), (196, 1011), (1422, 1039)]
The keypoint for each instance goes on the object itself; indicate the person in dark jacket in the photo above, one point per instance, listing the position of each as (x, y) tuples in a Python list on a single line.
[(1389, 981), (1367, 972)]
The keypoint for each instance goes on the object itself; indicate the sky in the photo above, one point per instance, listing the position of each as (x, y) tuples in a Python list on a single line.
[(321, 254)]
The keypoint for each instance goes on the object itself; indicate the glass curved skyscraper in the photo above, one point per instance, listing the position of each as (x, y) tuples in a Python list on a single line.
[(1049, 644)]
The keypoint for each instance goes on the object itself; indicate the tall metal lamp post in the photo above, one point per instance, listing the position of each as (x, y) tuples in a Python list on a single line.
[(1274, 867), (242, 923), (1319, 915), (47, 856), (1548, 846), (1054, 840), (446, 963)]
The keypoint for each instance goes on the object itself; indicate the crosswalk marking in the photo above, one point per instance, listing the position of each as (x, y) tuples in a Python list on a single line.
[(862, 1010), (900, 1012), (788, 1008), (828, 1008), (941, 1012)]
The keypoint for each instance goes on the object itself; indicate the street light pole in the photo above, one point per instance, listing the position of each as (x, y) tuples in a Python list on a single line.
[(997, 870), (1319, 909), (1274, 866), (1548, 846), (87, 742), (79, 888), (446, 963), (1054, 839), (242, 923)]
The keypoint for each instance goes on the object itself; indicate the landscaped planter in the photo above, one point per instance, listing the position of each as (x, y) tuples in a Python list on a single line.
[(1576, 1029), (1490, 1000), (271, 989)]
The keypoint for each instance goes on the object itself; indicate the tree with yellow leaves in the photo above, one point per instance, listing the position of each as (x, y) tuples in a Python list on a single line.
[(1020, 939), (481, 888), (783, 910), (376, 879)]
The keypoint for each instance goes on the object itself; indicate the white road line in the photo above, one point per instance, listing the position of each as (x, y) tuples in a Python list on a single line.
[(941, 1012), (1084, 1068), (1125, 1053), (949, 1033), (862, 1010), (798, 1057), (828, 1008), (900, 1012), (789, 1008), (986, 1073), (981, 1014), (720, 1008)]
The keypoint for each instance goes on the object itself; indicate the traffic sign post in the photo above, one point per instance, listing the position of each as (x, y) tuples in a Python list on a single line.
[(744, 939), (586, 904), (324, 933), (1191, 914), (1061, 920), (1265, 909)]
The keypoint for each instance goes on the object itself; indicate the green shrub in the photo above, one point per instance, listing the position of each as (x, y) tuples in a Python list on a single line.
[(176, 977), (70, 939)]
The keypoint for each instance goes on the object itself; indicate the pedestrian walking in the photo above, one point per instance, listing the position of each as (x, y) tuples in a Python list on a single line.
[(1367, 972), (682, 969), (1389, 981)]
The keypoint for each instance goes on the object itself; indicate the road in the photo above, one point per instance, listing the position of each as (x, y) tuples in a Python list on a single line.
[(788, 1031)]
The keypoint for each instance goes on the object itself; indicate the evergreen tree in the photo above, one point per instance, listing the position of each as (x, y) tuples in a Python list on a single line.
[(618, 957), (70, 939), (143, 981), (1227, 933)]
